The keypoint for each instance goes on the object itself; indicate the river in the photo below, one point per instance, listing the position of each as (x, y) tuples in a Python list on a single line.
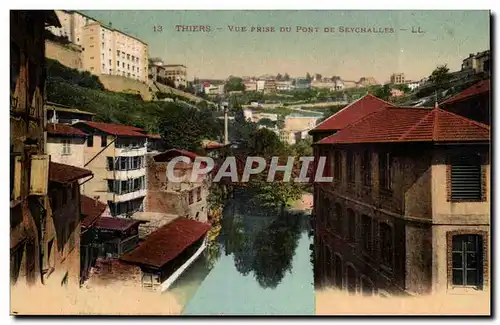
[(258, 265)]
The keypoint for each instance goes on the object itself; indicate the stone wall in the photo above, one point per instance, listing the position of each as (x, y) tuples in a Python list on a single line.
[(69, 55)]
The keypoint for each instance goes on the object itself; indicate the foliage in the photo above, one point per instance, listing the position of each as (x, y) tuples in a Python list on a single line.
[(402, 87), (308, 77), (303, 147), (383, 92), (286, 77), (440, 77), (267, 122), (56, 70), (265, 143), (234, 84), (187, 127)]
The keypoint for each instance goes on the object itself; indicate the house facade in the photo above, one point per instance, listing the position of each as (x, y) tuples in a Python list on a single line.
[(186, 199), (29, 165), (66, 144), (116, 155), (408, 210)]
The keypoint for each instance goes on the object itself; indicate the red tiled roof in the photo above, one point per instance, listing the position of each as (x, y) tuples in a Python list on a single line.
[(166, 243), (64, 129), (115, 129), (117, 224), (480, 88), (352, 113), (175, 153), (91, 210), (398, 124), (62, 173)]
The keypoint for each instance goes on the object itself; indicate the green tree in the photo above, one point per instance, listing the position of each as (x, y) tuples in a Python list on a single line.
[(266, 143), (383, 92), (234, 84), (286, 77), (303, 147), (279, 77), (308, 77), (440, 77), (267, 122)]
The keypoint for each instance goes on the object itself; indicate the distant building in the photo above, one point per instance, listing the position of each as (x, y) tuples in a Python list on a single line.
[(302, 83), (350, 84), (297, 122), (250, 85), (177, 73), (397, 78), (248, 114), (397, 92), (366, 81), (57, 113), (412, 84), (479, 62), (261, 85), (284, 85), (270, 86), (106, 50)]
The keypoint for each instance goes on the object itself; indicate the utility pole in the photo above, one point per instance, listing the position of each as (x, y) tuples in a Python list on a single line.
[(224, 106)]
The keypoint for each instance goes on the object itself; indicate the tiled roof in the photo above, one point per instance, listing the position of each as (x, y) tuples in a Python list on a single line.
[(91, 210), (62, 173), (166, 243), (64, 129), (117, 224), (175, 153), (480, 88), (398, 124), (352, 113), (115, 129)]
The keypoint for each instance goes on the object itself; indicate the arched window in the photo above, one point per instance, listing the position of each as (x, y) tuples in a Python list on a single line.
[(351, 279), (386, 244), (338, 272), (351, 225)]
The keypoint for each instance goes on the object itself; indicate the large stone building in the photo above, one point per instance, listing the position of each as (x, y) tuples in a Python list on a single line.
[(177, 73), (105, 50), (408, 211), (479, 62), (397, 78)]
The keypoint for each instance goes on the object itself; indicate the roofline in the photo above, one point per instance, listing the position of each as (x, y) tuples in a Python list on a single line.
[(67, 135), (97, 21), (174, 65), (453, 100), (139, 134), (432, 142)]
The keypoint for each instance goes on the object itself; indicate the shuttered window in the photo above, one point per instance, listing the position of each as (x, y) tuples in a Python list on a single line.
[(466, 179)]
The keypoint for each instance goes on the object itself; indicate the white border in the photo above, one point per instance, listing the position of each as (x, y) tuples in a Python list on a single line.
[(198, 4)]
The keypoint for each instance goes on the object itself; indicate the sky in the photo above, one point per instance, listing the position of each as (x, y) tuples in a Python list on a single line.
[(446, 37)]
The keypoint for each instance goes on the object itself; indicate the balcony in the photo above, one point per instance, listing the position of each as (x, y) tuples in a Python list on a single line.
[(113, 197), (130, 151), (126, 174)]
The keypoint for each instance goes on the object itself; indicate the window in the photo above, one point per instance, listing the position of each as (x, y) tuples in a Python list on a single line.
[(90, 140), (466, 179), (110, 163), (467, 263), (366, 166), (128, 66), (103, 66), (351, 225), (198, 194), (123, 64), (109, 62), (91, 37), (128, 56), (337, 218), (350, 167), (338, 166), (351, 280), (191, 199), (367, 233), (385, 160), (386, 244), (123, 163), (118, 63), (118, 53), (104, 140), (66, 146), (102, 44), (91, 45)]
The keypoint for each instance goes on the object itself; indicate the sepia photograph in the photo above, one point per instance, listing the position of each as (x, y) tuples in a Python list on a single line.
[(250, 162)]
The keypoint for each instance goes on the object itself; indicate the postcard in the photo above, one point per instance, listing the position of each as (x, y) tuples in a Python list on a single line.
[(273, 162)]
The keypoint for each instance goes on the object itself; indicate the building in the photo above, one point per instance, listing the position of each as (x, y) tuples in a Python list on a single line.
[(261, 84), (247, 113), (91, 210), (412, 84), (302, 83), (250, 85), (177, 73), (116, 155), (366, 82), (270, 86), (66, 144), (404, 222), (29, 165), (350, 84), (166, 253), (106, 50), (57, 113), (479, 62), (350, 114), (397, 78), (115, 236), (397, 92), (473, 103), (319, 84), (185, 198), (298, 122), (284, 85), (259, 116)]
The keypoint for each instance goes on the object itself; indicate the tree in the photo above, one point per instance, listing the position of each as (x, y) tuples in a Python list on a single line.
[(234, 84), (308, 77), (279, 77), (267, 122), (440, 77), (264, 142), (303, 147), (286, 77), (383, 92)]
